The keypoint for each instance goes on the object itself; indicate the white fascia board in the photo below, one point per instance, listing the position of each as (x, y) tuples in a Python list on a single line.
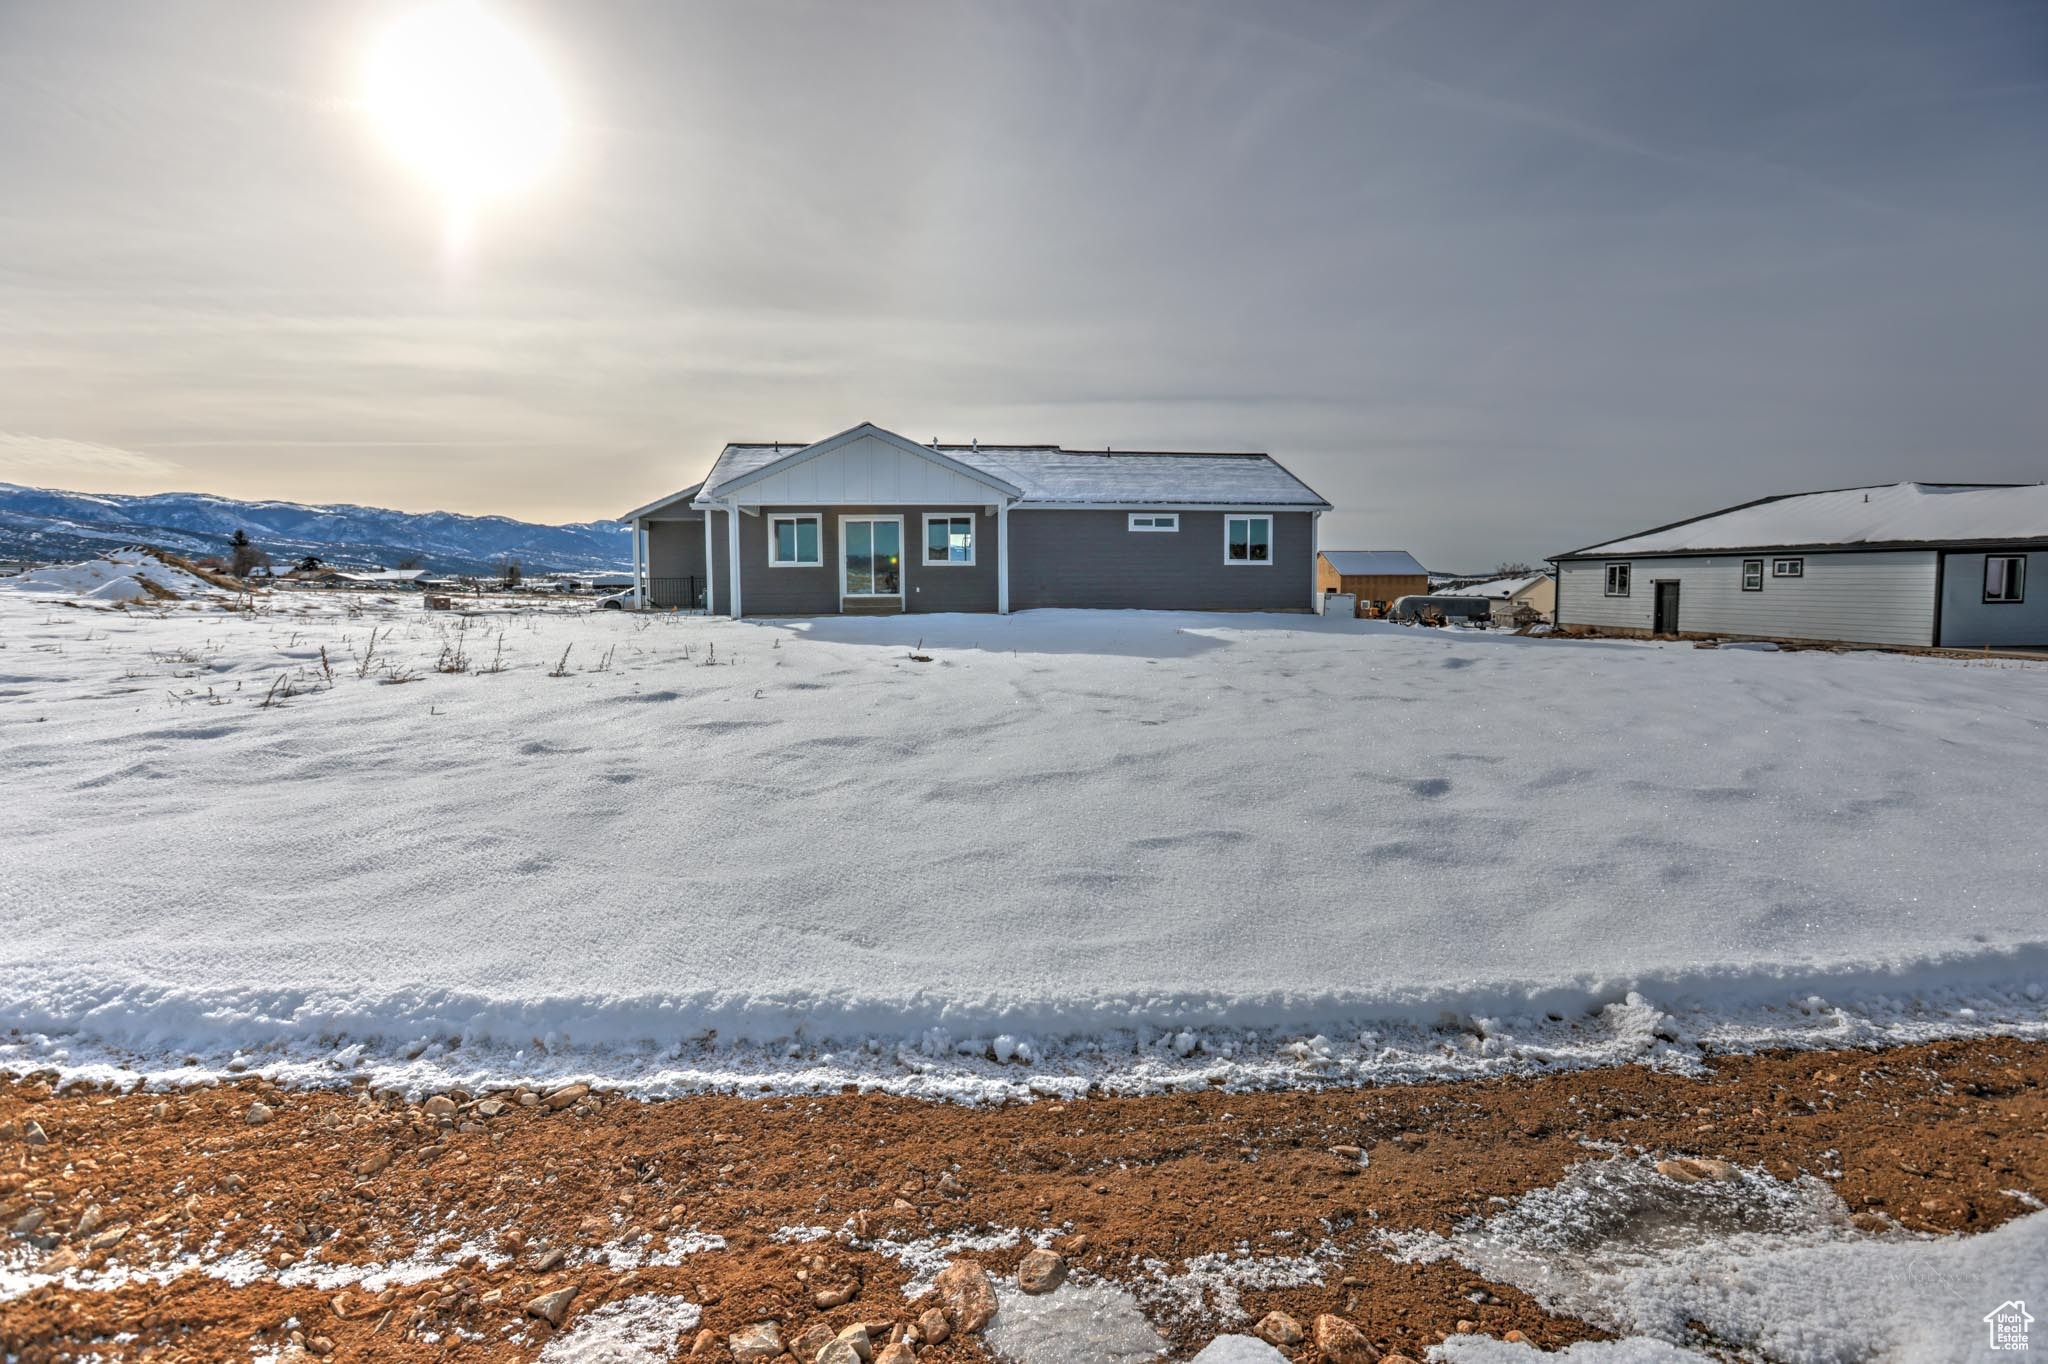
[(866, 429)]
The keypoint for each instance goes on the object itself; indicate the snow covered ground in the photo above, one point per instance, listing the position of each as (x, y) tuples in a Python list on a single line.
[(1138, 850)]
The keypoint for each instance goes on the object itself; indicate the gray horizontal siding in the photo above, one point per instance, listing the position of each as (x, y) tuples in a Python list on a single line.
[(675, 549), (766, 590), (1884, 597), (1092, 559), (1968, 621)]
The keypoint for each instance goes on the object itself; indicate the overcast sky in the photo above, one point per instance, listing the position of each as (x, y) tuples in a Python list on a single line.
[(1497, 279)]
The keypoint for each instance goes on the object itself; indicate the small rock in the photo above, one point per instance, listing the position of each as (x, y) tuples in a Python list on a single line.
[(758, 1343), (705, 1345), (1041, 1272), (320, 1345), (548, 1259), (109, 1238), (933, 1326), (1680, 1170), (1277, 1328), (553, 1307), (259, 1113), (828, 1298), (373, 1163), (899, 1353), (967, 1295), (564, 1097), (857, 1339), (839, 1351), (30, 1222), (1465, 1327), (439, 1106), (60, 1259), (810, 1341), (528, 1099), (492, 1108), (1515, 1338), (1340, 1342), (88, 1222), (1719, 1170), (32, 1133), (1347, 1152)]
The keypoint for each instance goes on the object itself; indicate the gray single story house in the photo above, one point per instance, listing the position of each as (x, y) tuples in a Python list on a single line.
[(1944, 565), (868, 522)]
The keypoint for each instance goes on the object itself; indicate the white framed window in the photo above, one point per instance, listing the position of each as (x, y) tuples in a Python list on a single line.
[(2005, 577), (1155, 521), (1752, 575), (1247, 539), (795, 542), (949, 538), (1788, 568), (1617, 580)]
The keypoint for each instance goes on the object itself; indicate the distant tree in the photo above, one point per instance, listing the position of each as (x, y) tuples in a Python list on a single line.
[(411, 561), (311, 564), (1515, 570), (244, 556), (509, 572)]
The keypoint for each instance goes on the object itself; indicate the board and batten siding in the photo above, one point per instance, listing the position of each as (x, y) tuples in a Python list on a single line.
[(866, 472), (1970, 622), (1857, 597), (1093, 560)]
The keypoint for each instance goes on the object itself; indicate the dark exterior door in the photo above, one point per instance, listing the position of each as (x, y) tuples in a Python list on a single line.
[(1667, 609)]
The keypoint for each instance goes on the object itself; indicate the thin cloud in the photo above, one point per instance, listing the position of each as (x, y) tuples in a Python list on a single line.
[(26, 456)]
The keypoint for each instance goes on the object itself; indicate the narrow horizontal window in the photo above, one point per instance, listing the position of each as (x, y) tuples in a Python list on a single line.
[(1617, 580), (1752, 575), (1155, 521), (793, 542), (1788, 568), (1247, 539), (2005, 577), (949, 539)]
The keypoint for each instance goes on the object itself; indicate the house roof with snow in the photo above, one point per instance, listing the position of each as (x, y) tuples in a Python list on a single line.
[(1048, 475), (1884, 515), (1374, 563), (1500, 589)]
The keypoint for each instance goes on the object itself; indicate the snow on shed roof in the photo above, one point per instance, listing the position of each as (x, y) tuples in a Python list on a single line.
[(1053, 475), (1884, 514), (1500, 589), (1374, 563)]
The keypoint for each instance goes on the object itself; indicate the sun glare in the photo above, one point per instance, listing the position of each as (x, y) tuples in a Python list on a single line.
[(464, 100)]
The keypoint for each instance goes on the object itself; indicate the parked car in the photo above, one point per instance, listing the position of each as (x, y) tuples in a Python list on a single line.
[(1420, 607), (617, 601)]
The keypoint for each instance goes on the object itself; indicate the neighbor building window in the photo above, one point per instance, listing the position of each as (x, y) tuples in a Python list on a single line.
[(1788, 568), (1752, 575), (793, 542), (1617, 580), (2005, 577), (1247, 539), (949, 539), (1155, 521)]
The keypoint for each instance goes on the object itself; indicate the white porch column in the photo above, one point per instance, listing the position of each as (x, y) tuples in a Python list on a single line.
[(710, 585), (639, 563), (1315, 551), (1003, 556), (732, 537)]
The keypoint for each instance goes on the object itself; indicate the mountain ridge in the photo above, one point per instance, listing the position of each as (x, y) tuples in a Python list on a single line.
[(52, 523)]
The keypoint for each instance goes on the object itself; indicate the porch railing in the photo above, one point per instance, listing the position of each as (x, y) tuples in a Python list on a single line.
[(670, 594)]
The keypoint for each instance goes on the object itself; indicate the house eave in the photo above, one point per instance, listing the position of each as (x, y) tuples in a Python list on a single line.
[(1855, 547)]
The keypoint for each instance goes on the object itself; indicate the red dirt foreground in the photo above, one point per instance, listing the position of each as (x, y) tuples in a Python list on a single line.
[(238, 1221)]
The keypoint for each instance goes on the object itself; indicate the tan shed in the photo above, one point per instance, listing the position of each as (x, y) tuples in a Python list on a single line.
[(1370, 575)]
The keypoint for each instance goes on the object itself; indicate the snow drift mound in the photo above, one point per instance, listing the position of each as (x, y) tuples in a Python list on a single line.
[(126, 575)]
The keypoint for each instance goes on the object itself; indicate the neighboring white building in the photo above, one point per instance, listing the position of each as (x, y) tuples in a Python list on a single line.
[(1947, 564)]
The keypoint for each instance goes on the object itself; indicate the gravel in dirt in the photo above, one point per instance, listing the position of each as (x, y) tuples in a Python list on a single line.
[(354, 1225)]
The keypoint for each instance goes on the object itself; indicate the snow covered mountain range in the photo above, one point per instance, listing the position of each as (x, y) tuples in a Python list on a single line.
[(46, 524)]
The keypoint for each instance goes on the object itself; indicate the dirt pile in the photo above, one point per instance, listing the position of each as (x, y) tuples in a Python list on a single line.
[(365, 1226)]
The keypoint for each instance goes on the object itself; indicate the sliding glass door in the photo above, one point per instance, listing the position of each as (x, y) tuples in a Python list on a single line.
[(873, 550)]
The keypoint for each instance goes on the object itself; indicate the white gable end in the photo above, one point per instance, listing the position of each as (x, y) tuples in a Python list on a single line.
[(866, 471)]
